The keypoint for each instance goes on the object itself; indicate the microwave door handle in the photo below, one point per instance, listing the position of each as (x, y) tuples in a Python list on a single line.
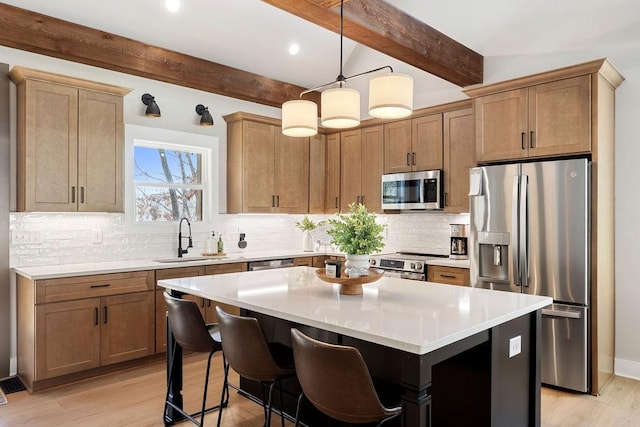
[(524, 229), (515, 235)]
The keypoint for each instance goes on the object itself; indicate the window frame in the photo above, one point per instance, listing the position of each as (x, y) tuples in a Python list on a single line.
[(206, 145)]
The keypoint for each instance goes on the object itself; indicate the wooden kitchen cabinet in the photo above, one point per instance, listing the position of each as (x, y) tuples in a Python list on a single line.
[(332, 175), (459, 157), (413, 145), (267, 172), (448, 275), (70, 143), (72, 327), (543, 120), (317, 172), (361, 167)]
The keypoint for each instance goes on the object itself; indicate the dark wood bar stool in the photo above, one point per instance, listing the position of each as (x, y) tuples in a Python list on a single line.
[(336, 380), (192, 334), (249, 354)]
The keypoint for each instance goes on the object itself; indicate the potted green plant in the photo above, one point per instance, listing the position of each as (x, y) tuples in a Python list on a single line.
[(357, 235), (306, 225)]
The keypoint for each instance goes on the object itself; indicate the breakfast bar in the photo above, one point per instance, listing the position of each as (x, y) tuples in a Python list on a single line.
[(458, 355)]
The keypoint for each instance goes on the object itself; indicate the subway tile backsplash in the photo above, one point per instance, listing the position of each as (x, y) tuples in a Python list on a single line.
[(49, 239)]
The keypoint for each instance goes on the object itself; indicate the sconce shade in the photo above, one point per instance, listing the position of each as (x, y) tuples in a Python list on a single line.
[(152, 108), (340, 108), (390, 96), (299, 118), (205, 116)]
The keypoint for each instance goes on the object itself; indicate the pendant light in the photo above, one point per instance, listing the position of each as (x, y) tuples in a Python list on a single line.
[(390, 97)]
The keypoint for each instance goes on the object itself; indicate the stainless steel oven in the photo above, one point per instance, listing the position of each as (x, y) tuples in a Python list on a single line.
[(401, 265), (413, 190)]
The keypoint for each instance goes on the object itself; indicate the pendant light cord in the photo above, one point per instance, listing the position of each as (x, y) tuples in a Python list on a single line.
[(341, 78)]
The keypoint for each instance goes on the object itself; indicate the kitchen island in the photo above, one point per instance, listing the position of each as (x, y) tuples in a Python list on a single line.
[(459, 355)]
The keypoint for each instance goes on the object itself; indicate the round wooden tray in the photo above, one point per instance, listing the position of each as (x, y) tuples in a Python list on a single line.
[(349, 285)]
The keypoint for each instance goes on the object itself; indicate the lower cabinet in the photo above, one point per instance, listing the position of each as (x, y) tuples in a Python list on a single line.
[(70, 325), (448, 275)]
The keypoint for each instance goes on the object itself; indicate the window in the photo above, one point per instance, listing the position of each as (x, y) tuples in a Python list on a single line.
[(169, 176)]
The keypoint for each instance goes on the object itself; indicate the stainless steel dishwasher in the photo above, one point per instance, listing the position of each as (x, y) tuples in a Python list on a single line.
[(271, 264)]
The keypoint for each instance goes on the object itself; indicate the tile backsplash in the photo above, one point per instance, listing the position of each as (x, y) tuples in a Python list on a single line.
[(49, 239)]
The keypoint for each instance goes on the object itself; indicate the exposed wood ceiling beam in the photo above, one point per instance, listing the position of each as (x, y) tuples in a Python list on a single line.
[(388, 30), (34, 32)]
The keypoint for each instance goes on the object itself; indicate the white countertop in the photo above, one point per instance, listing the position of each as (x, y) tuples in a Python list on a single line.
[(86, 269), (418, 317)]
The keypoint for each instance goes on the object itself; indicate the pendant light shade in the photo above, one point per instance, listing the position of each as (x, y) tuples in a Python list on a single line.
[(340, 108), (390, 96), (299, 118)]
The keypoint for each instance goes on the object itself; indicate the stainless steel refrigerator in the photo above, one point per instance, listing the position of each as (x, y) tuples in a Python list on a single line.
[(530, 233)]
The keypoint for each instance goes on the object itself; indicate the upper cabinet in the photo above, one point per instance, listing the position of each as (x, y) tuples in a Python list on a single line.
[(70, 143), (459, 157), (542, 120), (317, 168), (413, 145), (332, 174), (362, 165), (266, 170)]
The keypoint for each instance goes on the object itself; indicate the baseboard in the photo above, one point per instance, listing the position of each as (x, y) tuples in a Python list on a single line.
[(627, 368)]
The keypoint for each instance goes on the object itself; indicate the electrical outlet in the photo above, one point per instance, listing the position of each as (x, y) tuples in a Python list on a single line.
[(26, 237), (96, 236), (515, 346)]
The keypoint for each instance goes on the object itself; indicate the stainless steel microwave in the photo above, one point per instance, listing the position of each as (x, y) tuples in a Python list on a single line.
[(413, 190)]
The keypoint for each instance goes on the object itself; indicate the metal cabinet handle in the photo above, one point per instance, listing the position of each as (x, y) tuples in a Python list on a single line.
[(277, 201), (273, 201), (106, 285), (362, 200), (413, 158), (556, 313), (531, 144), (81, 194), (447, 276), (105, 314), (73, 194), (522, 141), (408, 159), (336, 202), (95, 316), (446, 199)]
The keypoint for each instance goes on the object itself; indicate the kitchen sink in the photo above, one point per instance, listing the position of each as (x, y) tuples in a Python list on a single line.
[(188, 259)]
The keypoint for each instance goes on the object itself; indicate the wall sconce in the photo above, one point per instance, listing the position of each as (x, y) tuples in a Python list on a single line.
[(152, 108), (205, 115)]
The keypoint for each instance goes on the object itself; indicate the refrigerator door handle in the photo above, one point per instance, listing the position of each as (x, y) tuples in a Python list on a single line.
[(515, 231), (557, 313), (523, 231)]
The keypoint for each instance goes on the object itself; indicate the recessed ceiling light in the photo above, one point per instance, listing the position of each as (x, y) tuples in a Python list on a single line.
[(172, 5), (294, 49)]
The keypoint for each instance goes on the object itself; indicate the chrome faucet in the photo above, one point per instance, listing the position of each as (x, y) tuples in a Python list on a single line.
[(190, 245)]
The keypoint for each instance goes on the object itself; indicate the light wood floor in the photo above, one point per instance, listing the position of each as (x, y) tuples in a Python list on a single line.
[(135, 398)]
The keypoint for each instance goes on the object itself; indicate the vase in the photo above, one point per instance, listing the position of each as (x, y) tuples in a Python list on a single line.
[(357, 265), (307, 241)]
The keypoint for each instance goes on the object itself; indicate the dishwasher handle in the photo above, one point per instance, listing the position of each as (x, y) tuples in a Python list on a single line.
[(558, 313)]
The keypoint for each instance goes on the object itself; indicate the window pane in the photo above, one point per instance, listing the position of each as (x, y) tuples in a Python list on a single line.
[(167, 204), (159, 165)]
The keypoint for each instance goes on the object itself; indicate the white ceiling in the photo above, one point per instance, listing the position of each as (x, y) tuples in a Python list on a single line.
[(254, 36)]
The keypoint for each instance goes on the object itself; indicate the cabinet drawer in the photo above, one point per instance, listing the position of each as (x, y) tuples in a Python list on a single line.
[(226, 268), (178, 273), (72, 288), (448, 275)]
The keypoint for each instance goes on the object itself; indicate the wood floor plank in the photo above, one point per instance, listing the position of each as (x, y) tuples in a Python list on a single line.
[(135, 397)]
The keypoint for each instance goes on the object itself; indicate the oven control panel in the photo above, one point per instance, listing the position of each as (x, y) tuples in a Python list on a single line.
[(398, 264)]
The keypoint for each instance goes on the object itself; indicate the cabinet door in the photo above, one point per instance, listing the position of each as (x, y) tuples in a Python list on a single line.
[(398, 154), (100, 152), (459, 157), (501, 126), (372, 167), (291, 173), (67, 337), (48, 151), (317, 168), (259, 160), (560, 117), (426, 142), (332, 177), (350, 168), (127, 327)]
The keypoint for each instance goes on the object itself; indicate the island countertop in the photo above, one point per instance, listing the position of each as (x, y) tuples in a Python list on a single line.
[(417, 317)]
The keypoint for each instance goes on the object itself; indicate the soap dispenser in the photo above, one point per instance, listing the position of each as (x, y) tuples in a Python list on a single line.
[(220, 244)]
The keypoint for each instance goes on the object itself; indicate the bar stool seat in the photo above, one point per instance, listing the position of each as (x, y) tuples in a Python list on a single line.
[(336, 380), (249, 354), (192, 334)]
